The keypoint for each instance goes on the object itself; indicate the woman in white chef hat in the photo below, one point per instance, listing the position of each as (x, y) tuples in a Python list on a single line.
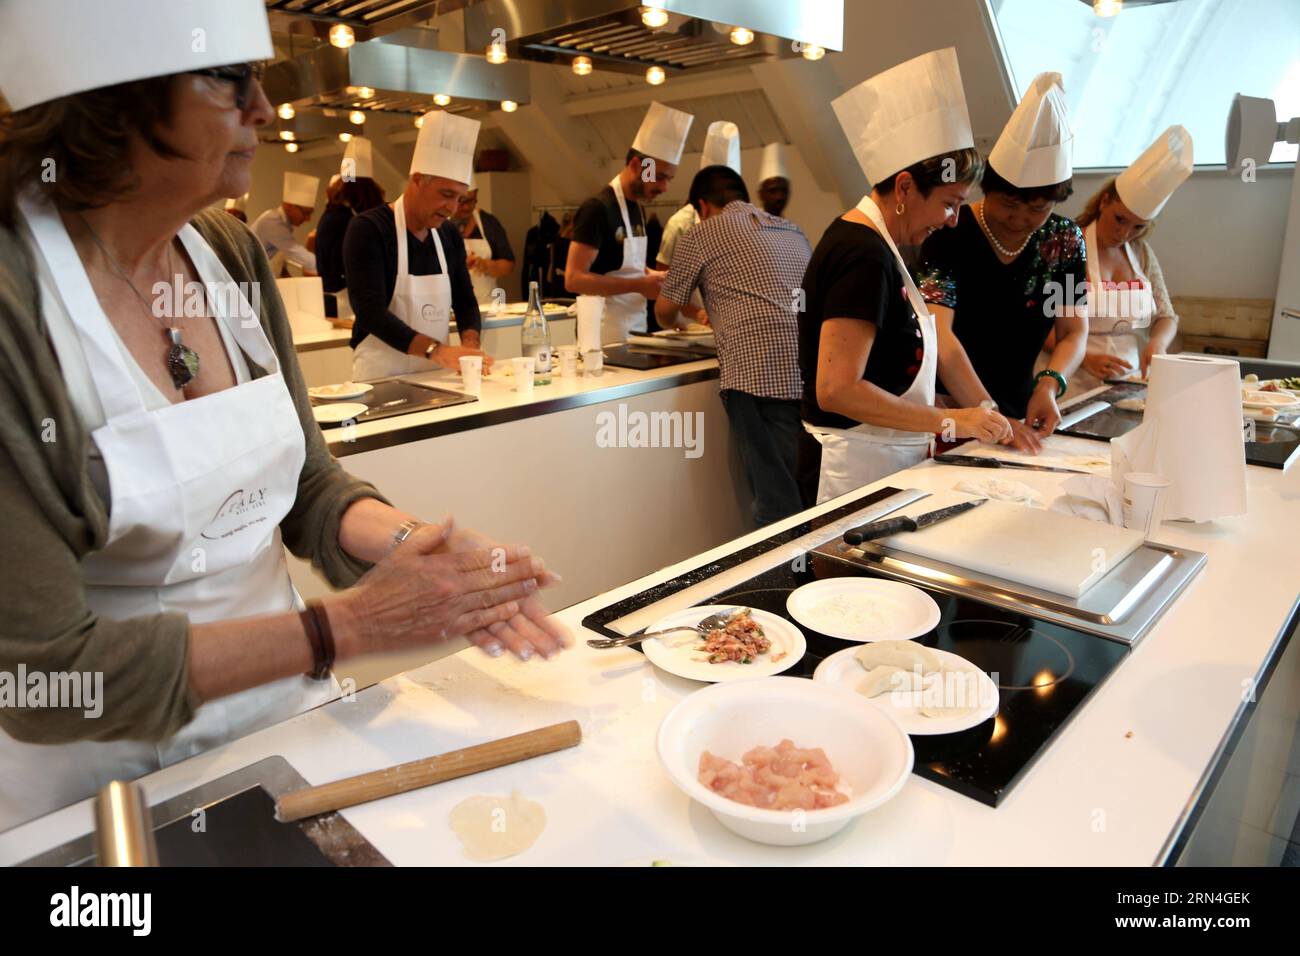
[(1013, 271), (868, 346), (1126, 288), (157, 457)]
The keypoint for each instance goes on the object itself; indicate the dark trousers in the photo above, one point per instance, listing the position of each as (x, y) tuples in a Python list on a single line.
[(767, 433)]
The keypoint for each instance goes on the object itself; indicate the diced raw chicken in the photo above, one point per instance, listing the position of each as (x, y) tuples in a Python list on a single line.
[(784, 777)]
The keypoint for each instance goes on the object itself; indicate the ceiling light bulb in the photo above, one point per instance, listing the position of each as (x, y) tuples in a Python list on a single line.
[(345, 137), (1107, 8), (655, 75), (341, 36), (291, 147), (582, 65), (742, 37), (509, 105), (811, 51), (441, 99), (654, 17), (357, 117), (496, 53), (286, 111)]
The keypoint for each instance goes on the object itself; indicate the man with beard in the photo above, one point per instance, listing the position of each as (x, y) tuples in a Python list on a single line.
[(608, 254)]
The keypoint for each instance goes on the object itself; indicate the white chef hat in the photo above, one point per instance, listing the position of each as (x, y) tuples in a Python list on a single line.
[(663, 133), (1035, 145), (300, 189), (908, 113), (722, 146), (773, 164), (52, 49), (1146, 186), (445, 146), (358, 159)]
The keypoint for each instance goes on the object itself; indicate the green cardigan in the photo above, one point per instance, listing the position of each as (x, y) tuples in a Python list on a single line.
[(51, 516)]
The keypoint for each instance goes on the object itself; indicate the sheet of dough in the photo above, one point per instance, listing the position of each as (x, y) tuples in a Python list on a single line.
[(494, 827)]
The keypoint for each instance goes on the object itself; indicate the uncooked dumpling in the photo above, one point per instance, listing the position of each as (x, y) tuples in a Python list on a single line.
[(907, 655), (887, 677), (494, 827)]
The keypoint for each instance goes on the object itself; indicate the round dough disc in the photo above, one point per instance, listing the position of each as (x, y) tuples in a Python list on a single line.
[(494, 827)]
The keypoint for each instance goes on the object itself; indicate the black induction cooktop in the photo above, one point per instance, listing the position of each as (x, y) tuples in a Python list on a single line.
[(1273, 445), (1045, 672)]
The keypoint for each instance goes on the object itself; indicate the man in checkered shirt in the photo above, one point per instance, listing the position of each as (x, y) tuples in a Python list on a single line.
[(749, 267)]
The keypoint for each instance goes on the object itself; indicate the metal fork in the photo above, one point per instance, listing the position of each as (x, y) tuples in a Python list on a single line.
[(711, 622)]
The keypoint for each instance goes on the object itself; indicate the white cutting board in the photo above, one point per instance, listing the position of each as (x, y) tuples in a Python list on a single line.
[(1058, 553)]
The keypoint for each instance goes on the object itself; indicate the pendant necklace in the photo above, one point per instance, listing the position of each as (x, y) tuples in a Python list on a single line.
[(1002, 250), (182, 361)]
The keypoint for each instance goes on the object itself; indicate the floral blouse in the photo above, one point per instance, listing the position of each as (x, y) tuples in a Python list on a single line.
[(1004, 311)]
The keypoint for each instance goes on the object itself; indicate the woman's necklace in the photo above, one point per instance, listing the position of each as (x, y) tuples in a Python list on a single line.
[(1002, 250), (182, 361)]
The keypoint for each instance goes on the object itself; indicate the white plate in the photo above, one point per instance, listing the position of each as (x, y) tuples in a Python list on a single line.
[(843, 670), (338, 412), (1253, 399), (340, 391), (676, 653), (908, 612)]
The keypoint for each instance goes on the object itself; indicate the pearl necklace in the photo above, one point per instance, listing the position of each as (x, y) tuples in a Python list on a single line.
[(1002, 250)]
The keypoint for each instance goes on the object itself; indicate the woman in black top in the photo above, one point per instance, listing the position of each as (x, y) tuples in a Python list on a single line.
[(354, 197), (861, 347), (1008, 275)]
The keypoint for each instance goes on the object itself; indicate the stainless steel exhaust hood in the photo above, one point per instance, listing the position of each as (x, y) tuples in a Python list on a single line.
[(401, 75), (612, 33)]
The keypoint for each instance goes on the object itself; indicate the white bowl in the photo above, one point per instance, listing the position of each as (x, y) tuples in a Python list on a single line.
[(866, 746)]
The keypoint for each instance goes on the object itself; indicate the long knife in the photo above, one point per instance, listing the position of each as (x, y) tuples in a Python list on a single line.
[(882, 529), (976, 461)]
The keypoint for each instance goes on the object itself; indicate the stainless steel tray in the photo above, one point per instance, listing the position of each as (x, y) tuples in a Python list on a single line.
[(1121, 606)]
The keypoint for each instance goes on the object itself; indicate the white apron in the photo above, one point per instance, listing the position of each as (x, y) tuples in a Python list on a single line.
[(1113, 314), (198, 490), (483, 284), (422, 302), (625, 312), (857, 456)]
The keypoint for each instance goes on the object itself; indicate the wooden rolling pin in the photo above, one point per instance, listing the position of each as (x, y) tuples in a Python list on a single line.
[(421, 773)]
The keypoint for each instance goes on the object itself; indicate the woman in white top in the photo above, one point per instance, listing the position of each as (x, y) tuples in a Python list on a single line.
[(1127, 296)]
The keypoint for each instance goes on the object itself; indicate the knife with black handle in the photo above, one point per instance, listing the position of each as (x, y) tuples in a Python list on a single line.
[(883, 529)]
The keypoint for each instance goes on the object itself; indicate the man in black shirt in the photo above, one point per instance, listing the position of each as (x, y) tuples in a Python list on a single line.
[(608, 254), (402, 315)]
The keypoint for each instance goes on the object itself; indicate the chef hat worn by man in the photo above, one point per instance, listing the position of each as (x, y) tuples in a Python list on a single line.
[(358, 159), (49, 50), (773, 165), (445, 146), (1146, 186), (300, 190), (722, 146), (908, 113), (1035, 145), (662, 135)]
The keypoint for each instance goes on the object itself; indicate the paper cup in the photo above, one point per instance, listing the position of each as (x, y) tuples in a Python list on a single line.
[(568, 360), (593, 361), (1144, 495), (471, 374), (523, 368)]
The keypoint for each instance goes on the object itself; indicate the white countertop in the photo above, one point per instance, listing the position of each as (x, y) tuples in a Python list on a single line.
[(1109, 790), (499, 395), (341, 337)]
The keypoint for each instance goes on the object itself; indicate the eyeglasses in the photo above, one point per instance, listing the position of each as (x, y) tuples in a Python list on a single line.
[(241, 75)]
